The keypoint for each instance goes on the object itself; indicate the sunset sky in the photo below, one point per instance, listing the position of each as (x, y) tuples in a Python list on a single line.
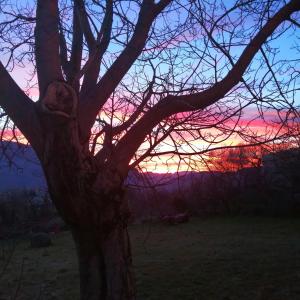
[(249, 121)]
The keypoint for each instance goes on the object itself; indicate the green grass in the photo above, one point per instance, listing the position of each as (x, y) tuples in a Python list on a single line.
[(215, 258)]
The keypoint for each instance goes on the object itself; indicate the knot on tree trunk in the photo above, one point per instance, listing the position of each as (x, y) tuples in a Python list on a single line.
[(60, 99)]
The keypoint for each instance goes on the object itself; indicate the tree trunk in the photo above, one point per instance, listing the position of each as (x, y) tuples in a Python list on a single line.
[(98, 215), (99, 228), (88, 194), (105, 264)]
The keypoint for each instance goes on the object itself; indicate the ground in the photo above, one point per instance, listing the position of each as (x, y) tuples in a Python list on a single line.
[(214, 258)]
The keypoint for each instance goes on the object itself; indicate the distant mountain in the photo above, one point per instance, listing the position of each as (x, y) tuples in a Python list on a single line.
[(168, 181), (19, 168)]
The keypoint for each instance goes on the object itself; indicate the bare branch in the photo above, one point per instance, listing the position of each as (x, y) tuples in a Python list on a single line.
[(63, 51), (136, 113), (98, 96), (19, 108), (88, 34), (92, 66), (197, 101), (297, 24), (47, 43), (76, 51), (162, 4)]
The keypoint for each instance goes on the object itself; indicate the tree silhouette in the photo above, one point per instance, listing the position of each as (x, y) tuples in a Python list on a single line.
[(120, 82)]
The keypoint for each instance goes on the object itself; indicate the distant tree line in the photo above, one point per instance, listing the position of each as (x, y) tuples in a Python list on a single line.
[(253, 186)]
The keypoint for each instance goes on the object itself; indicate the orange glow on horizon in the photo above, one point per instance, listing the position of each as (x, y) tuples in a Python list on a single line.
[(171, 163)]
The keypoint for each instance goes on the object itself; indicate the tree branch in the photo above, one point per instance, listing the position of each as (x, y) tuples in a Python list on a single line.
[(92, 67), (85, 25), (76, 51), (47, 43), (174, 104), (63, 51), (297, 24), (92, 103), (136, 113), (20, 109)]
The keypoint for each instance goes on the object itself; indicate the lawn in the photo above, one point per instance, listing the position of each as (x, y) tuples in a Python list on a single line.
[(212, 258)]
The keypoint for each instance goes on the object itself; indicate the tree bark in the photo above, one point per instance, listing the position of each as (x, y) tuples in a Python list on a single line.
[(105, 264), (99, 227), (89, 196)]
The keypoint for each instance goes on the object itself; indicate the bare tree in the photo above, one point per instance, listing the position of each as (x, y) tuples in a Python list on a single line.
[(123, 82)]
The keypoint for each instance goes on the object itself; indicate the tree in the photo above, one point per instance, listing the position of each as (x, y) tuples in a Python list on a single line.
[(116, 80), (235, 158)]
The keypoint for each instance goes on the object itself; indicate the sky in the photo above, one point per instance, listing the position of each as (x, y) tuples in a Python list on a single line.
[(286, 48)]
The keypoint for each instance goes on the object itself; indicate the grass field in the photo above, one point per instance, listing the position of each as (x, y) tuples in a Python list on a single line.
[(215, 258)]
